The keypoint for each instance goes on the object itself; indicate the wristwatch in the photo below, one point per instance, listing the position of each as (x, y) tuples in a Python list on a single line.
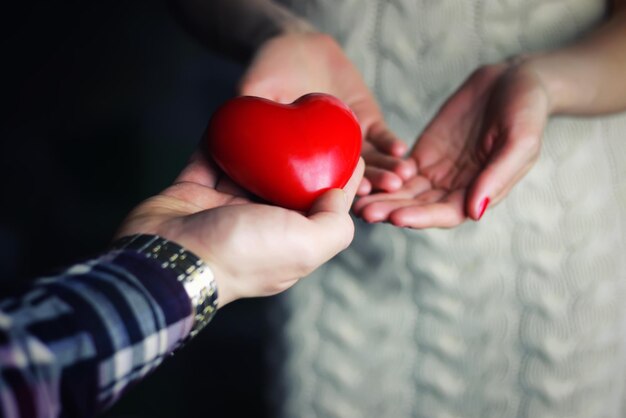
[(195, 276)]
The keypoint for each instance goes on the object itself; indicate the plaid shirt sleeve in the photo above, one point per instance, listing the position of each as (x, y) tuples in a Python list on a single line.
[(70, 345)]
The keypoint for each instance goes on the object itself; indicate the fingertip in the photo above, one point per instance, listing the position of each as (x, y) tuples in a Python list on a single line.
[(407, 169), (392, 183), (333, 227), (403, 218), (482, 207), (393, 147), (365, 188), (478, 201), (372, 213), (385, 180), (396, 219), (385, 140), (398, 148)]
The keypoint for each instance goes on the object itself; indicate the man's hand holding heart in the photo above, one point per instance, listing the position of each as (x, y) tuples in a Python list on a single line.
[(253, 249)]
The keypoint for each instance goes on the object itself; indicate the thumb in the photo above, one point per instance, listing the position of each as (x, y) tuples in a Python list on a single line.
[(338, 200), (356, 181), (332, 201), (333, 227), (502, 171)]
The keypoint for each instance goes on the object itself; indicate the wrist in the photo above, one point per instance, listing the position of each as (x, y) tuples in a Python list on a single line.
[(175, 231), (190, 271), (282, 23), (566, 91)]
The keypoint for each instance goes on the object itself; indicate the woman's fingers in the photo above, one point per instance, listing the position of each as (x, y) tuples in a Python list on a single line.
[(381, 179), (384, 171), (403, 168), (409, 190), (381, 210), (447, 213), (384, 140), (434, 208), (365, 187)]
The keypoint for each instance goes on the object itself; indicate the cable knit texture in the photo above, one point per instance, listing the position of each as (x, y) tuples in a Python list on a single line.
[(520, 315)]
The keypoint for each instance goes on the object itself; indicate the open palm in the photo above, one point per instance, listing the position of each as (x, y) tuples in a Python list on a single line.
[(483, 140)]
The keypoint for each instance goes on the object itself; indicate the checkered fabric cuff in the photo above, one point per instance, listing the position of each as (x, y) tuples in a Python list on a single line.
[(195, 276)]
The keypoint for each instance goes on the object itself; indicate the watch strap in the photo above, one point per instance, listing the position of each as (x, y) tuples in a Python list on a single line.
[(193, 273)]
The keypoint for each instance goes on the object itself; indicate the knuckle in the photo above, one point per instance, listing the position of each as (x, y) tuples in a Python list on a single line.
[(308, 259), (486, 72)]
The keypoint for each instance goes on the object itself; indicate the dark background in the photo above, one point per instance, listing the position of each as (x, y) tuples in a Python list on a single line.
[(102, 103)]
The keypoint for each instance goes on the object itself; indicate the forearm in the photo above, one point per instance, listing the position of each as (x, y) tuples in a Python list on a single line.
[(588, 77), (236, 27), (73, 343)]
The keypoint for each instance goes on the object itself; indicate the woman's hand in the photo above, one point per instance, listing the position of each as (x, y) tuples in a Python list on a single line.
[(488, 134), (483, 140), (253, 249), (291, 65)]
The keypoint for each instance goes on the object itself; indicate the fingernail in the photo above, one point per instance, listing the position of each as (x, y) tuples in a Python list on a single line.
[(483, 207)]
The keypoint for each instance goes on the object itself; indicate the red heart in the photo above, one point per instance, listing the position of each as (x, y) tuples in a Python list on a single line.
[(286, 154)]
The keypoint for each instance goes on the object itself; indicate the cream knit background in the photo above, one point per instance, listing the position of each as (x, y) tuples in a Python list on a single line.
[(520, 315)]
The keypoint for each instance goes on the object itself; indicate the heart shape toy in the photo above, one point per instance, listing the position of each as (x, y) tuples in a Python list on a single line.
[(287, 154)]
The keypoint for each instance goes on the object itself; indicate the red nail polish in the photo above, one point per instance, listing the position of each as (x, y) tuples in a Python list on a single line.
[(483, 207)]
